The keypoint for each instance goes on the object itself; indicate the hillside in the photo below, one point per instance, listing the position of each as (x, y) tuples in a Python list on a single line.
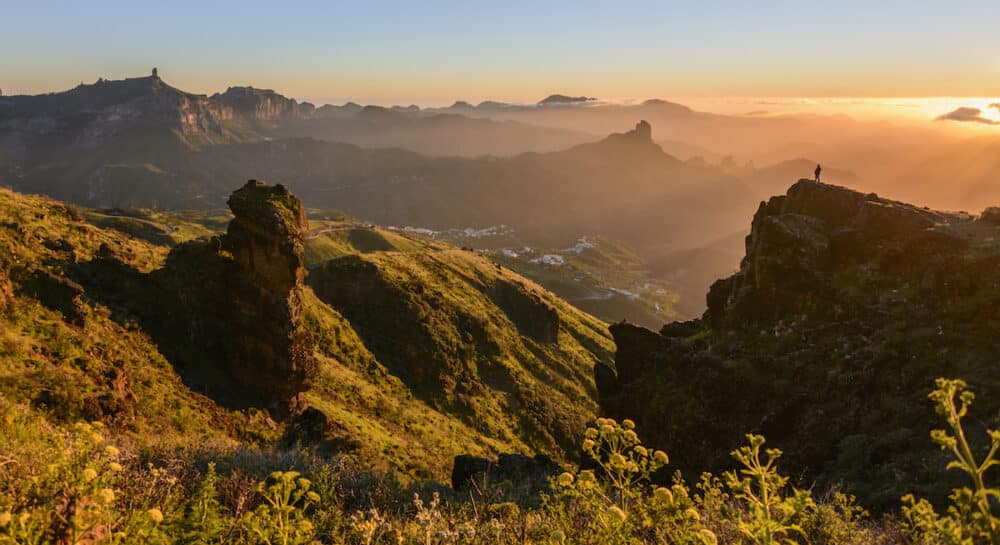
[(161, 338), (845, 308)]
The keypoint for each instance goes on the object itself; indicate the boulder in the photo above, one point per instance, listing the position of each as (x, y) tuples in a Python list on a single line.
[(308, 426), (527, 472)]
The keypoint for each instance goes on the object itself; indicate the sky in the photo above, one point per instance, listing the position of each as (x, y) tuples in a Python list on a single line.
[(434, 52)]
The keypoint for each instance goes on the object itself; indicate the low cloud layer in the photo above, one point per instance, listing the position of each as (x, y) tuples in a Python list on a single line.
[(973, 115)]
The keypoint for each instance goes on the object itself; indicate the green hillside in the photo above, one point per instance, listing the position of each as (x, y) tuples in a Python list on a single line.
[(84, 338)]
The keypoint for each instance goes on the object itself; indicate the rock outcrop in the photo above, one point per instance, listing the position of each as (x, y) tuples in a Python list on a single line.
[(643, 130), (826, 341), (269, 351), (798, 241), (53, 291), (241, 294)]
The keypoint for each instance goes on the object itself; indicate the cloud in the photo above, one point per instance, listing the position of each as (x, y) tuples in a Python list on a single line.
[(965, 114), (995, 105)]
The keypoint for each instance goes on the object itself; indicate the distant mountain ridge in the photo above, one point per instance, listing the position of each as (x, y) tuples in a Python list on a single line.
[(140, 142), (90, 115)]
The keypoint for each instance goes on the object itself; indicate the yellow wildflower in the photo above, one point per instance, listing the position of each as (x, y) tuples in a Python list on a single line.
[(616, 513), (664, 495), (107, 495), (156, 515)]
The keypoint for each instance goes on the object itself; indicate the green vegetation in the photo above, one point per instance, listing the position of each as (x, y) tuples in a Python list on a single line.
[(90, 350), (76, 484), (475, 340)]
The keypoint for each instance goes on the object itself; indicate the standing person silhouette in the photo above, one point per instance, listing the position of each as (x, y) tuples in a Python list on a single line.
[(817, 171)]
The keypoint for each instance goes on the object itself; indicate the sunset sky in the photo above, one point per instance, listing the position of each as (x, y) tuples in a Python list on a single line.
[(435, 52)]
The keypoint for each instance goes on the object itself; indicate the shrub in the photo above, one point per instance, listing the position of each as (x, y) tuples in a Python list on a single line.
[(768, 515), (970, 518)]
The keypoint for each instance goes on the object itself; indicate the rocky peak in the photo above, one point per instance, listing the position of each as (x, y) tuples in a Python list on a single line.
[(797, 241), (638, 140), (643, 131)]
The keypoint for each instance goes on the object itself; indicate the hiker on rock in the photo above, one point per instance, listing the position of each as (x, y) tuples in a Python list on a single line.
[(817, 171)]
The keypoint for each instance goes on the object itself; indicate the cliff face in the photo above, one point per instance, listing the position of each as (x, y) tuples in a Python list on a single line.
[(260, 104), (89, 116), (844, 310), (799, 241), (144, 109)]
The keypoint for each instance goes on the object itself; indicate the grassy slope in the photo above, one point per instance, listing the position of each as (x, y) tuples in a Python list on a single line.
[(63, 369), (441, 291), (76, 372)]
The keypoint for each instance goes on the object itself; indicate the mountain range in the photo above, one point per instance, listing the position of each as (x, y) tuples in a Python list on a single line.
[(542, 171)]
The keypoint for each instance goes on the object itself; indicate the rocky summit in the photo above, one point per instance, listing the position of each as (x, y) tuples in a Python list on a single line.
[(845, 308)]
